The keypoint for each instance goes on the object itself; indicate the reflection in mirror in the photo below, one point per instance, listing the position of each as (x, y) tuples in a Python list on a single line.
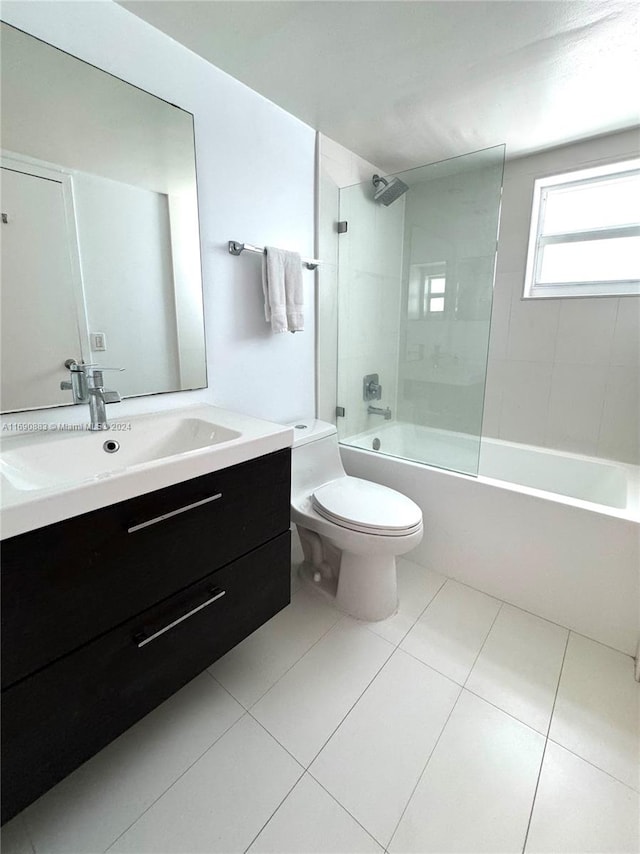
[(100, 243)]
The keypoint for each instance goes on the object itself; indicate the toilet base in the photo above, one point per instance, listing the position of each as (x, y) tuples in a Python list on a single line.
[(367, 586), (367, 590)]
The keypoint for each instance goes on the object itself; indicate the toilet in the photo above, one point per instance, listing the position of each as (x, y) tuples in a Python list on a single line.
[(351, 530)]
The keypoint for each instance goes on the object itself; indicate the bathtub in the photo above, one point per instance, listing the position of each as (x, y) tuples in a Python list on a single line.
[(554, 533)]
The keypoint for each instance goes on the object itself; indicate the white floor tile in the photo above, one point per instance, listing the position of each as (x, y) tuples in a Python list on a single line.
[(222, 802), (89, 809), (14, 839), (311, 822), (416, 588), (307, 704), (579, 809), (252, 667), (597, 712), (519, 666), (476, 792), (373, 761), (450, 633)]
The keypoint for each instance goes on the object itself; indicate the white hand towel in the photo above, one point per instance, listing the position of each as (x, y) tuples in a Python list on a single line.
[(282, 289)]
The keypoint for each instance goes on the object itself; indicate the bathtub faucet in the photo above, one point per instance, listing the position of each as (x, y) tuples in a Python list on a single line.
[(378, 410)]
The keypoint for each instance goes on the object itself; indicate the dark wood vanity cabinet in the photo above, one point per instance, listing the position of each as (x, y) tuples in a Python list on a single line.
[(106, 615)]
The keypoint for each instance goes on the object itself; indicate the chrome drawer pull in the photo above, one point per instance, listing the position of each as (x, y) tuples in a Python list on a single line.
[(218, 595), (173, 513)]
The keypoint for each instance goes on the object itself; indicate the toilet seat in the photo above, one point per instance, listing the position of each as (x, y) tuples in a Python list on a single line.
[(367, 507)]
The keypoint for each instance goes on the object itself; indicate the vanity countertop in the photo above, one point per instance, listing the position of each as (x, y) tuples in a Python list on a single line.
[(47, 476)]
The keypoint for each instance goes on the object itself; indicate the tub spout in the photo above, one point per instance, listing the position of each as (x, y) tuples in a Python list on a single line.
[(378, 410)]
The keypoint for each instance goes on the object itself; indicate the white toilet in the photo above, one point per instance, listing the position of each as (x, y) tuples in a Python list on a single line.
[(351, 529)]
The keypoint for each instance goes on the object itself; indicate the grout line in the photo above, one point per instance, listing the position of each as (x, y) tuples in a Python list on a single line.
[(271, 735), (356, 701), (486, 637), (544, 752), (304, 654), (539, 616), (282, 675), (415, 621), (593, 765), (505, 712), (421, 775), (342, 806), (275, 810), (431, 667), (226, 690), (179, 777)]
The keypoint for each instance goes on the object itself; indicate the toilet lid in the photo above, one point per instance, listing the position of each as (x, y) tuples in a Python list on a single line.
[(366, 506)]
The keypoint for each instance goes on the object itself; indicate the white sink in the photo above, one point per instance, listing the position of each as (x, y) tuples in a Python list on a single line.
[(49, 475), (44, 460)]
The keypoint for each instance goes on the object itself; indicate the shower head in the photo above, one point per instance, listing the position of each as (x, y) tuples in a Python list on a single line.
[(387, 191)]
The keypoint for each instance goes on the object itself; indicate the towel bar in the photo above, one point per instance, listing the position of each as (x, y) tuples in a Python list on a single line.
[(236, 248)]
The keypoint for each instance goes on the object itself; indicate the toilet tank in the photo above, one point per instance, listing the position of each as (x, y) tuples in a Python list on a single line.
[(315, 457)]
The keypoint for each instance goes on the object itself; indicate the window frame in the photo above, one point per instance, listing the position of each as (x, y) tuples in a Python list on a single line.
[(533, 289)]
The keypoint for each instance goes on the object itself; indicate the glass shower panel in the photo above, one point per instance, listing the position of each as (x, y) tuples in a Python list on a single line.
[(415, 285)]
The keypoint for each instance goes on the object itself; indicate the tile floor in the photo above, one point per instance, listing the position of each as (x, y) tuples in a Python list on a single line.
[(461, 724)]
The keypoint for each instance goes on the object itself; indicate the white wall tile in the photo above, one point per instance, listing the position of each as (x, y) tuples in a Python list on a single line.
[(500, 315), (570, 331), (373, 761), (476, 792), (519, 667), (526, 390), (493, 394), (597, 712), (585, 331), (575, 407), (533, 329), (579, 809), (620, 427), (625, 346), (222, 802)]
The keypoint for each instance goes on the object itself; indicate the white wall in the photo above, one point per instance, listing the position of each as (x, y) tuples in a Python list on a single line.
[(255, 184), (563, 373)]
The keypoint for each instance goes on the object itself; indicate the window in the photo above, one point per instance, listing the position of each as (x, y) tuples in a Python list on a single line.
[(585, 233), (427, 291)]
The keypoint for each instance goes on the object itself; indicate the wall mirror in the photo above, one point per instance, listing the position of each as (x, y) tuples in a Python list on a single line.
[(100, 239)]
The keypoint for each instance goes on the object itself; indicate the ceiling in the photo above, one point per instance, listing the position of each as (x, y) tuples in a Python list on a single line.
[(406, 82)]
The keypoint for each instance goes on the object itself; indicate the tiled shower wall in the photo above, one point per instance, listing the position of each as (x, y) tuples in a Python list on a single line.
[(563, 373), (450, 221)]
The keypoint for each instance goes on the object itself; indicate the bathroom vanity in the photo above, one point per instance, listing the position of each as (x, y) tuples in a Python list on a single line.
[(107, 613)]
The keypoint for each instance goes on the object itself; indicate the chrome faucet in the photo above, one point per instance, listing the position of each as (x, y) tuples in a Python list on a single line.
[(87, 386), (99, 396), (378, 410)]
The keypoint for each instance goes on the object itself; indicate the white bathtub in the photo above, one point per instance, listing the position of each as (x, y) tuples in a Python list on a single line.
[(554, 533)]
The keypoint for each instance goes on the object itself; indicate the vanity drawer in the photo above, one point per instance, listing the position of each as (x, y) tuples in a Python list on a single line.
[(68, 583), (55, 720)]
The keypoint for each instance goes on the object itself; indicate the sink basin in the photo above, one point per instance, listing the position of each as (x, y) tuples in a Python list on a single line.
[(45, 460), (50, 475)]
